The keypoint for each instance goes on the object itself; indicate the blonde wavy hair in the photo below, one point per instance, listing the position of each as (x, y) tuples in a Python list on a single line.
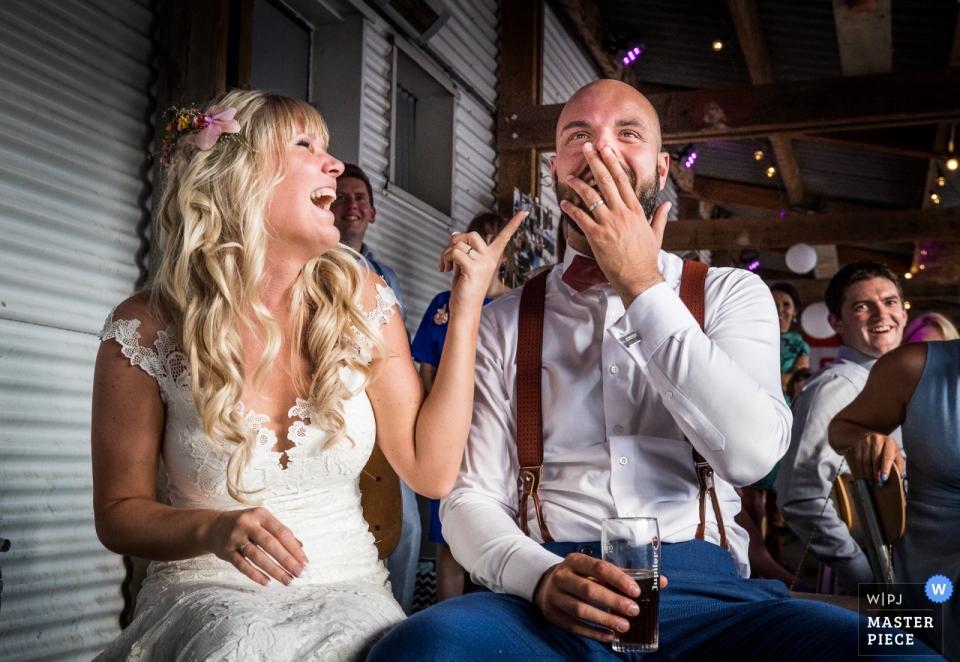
[(213, 236)]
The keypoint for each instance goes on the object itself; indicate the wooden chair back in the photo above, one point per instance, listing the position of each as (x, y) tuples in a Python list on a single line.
[(382, 502)]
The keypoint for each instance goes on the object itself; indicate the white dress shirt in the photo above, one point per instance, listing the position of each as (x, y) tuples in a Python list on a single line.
[(615, 414)]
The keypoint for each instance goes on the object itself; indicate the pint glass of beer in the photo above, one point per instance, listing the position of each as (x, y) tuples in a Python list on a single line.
[(633, 545)]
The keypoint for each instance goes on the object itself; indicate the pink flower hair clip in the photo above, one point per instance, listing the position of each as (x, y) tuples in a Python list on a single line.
[(205, 129)]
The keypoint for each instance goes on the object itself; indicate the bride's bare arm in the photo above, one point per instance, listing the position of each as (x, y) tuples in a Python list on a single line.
[(126, 433), (424, 437)]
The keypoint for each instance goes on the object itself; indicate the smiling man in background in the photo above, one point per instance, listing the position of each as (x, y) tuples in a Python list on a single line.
[(866, 311)]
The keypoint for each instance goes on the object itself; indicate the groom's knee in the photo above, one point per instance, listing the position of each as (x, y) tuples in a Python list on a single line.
[(469, 627)]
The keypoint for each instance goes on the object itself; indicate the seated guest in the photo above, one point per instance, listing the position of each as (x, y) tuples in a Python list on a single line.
[(866, 311), (426, 348), (632, 391), (794, 351), (930, 327), (915, 388)]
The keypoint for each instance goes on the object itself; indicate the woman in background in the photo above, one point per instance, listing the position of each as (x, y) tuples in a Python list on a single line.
[(794, 351), (929, 327), (426, 348)]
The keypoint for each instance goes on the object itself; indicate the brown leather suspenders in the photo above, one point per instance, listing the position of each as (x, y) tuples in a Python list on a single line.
[(692, 283), (530, 415)]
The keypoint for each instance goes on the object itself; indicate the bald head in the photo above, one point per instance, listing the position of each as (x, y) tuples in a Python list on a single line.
[(597, 99)]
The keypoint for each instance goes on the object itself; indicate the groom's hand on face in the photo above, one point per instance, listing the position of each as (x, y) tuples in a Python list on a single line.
[(573, 594), (625, 242)]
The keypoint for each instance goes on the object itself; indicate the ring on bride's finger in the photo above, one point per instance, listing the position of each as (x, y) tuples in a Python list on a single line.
[(244, 545), (595, 205), (469, 250)]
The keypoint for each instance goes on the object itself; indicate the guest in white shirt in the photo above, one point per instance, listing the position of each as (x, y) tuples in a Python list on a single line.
[(630, 386)]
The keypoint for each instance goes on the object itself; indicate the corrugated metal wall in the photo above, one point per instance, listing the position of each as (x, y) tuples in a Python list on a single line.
[(404, 237), (565, 70), (74, 109)]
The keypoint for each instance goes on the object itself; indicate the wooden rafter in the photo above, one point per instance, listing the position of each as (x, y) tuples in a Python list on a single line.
[(914, 290), (585, 18), (521, 87), (746, 20), (772, 233), (900, 98)]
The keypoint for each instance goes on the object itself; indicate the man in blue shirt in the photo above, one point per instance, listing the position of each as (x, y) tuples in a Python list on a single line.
[(353, 212)]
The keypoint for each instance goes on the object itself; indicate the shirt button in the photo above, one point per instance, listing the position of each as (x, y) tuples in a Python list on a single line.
[(614, 370), (586, 549), (623, 460), (630, 514), (617, 429), (669, 394)]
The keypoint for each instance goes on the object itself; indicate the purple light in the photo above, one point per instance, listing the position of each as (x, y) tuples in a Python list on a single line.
[(631, 56), (783, 213), (753, 265), (690, 161)]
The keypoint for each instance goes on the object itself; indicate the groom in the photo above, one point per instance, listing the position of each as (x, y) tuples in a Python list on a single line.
[(632, 389)]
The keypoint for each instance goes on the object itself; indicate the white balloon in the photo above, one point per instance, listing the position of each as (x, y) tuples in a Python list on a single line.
[(801, 258), (814, 321)]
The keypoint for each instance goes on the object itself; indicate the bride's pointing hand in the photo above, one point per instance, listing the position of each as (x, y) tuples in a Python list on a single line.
[(475, 264), (254, 540)]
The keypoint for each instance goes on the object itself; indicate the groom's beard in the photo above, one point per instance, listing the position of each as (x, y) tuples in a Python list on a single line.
[(648, 195)]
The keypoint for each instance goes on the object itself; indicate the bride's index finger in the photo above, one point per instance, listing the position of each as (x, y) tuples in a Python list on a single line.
[(500, 241)]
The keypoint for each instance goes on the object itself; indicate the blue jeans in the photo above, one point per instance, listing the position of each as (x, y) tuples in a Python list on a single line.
[(402, 563), (706, 613)]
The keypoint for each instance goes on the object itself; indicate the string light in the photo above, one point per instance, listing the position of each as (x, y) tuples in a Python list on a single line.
[(758, 155), (717, 45), (952, 164), (688, 163), (908, 275), (935, 198), (941, 181), (923, 266), (906, 305), (771, 171), (753, 265)]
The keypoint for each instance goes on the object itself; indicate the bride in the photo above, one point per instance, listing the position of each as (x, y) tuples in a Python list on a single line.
[(260, 367)]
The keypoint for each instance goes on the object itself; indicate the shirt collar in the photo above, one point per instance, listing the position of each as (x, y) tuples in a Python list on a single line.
[(571, 253), (848, 353), (365, 251)]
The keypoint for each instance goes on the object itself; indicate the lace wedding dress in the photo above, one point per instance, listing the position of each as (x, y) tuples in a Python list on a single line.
[(204, 608)]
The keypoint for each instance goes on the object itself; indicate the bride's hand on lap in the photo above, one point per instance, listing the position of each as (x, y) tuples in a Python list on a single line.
[(474, 264), (269, 548)]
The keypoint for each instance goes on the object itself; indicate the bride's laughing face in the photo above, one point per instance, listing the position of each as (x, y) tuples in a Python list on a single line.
[(298, 212)]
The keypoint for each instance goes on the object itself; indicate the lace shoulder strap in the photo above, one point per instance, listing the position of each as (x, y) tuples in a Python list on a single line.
[(386, 302), (125, 333)]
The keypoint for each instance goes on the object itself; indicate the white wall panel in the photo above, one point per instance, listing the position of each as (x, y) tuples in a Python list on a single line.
[(74, 109), (404, 236)]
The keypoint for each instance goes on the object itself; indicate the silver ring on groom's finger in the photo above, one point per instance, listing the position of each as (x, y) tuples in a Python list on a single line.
[(244, 545), (595, 205), (469, 250)]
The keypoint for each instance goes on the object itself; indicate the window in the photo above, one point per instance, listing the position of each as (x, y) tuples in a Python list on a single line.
[(281, 51), (422, 145)]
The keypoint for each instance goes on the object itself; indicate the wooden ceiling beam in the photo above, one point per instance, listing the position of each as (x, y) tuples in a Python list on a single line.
[(900, 98), (775, 233), (734, 194), (521, 86), (587, 22), (746, 20), (914, 290), (873, 141)]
